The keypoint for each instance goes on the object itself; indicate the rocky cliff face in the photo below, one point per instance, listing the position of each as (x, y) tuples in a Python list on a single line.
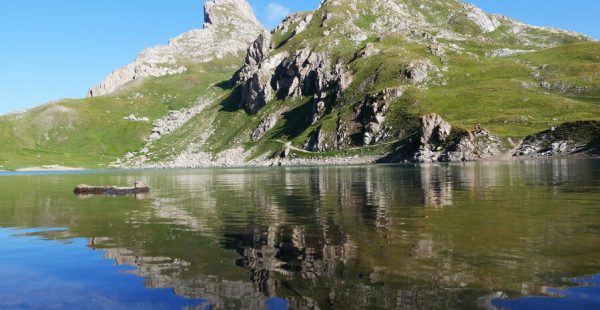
[(229, 27)]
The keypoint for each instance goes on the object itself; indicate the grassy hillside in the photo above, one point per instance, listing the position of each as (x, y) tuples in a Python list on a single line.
[(504, 96), (91, 132)]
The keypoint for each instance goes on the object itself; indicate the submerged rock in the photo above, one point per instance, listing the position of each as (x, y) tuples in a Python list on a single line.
[(137, 188)]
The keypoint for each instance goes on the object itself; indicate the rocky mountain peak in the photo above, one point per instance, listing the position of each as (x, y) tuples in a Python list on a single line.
[(230, 26), (229, 13)]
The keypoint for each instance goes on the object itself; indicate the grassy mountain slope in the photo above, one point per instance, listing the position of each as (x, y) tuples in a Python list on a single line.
[(503, 95), (91, 132)]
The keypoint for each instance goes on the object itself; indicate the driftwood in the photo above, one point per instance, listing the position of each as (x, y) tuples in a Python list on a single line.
[(137, 188)]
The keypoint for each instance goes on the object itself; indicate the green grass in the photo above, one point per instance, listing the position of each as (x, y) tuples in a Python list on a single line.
[(492, 92), (91, 132)]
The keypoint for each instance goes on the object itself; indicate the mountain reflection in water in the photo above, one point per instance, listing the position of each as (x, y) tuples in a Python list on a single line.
[(404, 237)]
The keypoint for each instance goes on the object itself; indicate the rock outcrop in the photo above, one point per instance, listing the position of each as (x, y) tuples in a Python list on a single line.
[(419, 71), (257, 92), (318, 141), (229, 27), (571, 138), (439, 142), (434, 132), (505, 52), (257, 73), (487, 23), (305, 73), (371, 114), (257, 52)]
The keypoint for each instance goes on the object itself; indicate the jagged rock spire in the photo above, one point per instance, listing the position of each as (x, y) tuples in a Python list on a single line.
[(228, 13)]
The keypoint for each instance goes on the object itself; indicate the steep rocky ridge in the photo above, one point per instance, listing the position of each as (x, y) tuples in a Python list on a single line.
[(229, 26)]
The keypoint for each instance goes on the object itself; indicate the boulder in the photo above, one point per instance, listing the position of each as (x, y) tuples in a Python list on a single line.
[(434, 130), (440, 143)]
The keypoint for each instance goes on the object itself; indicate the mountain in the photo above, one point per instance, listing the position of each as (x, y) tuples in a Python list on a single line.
[(353, 81), (229, 27)]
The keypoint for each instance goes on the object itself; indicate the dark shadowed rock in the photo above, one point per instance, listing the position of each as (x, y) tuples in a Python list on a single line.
[(256, 92)]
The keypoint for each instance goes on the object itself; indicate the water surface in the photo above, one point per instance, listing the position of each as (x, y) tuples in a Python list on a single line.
[(514, 235)]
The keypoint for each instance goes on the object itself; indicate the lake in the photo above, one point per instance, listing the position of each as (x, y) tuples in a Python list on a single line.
[(506, 235)]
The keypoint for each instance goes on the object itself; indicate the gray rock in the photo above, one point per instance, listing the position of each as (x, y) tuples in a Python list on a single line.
[(505, 52), (579, 137), (133, 118), (256, 93), (369, 51), (439, 143), (301, 20), (371, 113), (316, 143), (487, 23), (418, 72), (304, 73), (256, 53), (288, 149), (436, 49), (434, 130)]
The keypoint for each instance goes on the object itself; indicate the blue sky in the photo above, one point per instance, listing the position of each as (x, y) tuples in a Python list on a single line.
[(58, 49)]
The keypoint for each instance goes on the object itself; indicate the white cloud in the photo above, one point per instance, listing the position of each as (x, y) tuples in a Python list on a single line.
[(276, 12)]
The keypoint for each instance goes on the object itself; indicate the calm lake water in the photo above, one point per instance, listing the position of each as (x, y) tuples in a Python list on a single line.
[(511, 235)]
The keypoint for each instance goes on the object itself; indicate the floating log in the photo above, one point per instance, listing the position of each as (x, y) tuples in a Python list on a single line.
[(137, 188)]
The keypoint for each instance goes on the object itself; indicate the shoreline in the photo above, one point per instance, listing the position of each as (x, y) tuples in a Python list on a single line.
[(294, 163), (48, 168)]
